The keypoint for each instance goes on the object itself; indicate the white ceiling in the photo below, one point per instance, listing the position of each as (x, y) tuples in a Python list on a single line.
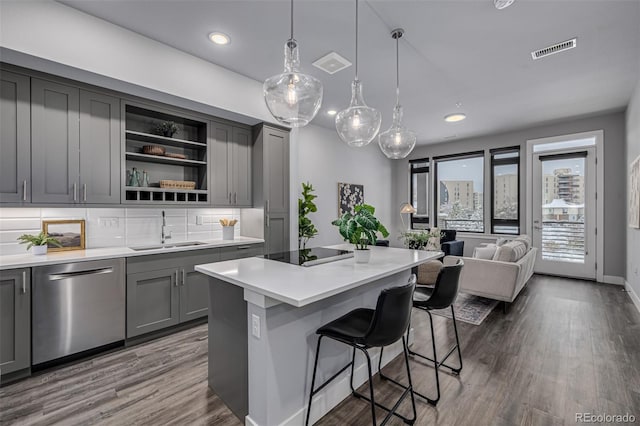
[(453, 51)]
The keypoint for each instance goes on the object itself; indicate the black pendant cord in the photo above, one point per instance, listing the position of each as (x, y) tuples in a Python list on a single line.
[(291, 38), (356, 39)]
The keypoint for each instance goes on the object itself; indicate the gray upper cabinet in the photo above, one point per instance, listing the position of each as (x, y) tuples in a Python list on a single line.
[(241, 160), (221, 157), (231, 166), (15, 320), (276, 170), (99, 140), (55, 142), (15, 138)]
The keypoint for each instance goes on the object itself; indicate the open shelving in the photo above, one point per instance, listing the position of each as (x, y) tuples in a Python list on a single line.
[(190, 141)]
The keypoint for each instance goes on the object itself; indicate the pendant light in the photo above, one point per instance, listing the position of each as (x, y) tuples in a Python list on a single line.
[(359, 124), (397, 142), (293, 98)]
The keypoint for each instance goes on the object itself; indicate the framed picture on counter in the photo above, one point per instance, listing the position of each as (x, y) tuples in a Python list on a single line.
[(70, 234)]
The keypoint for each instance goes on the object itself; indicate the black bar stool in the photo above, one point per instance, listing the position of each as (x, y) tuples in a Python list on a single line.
[(364, 329), (441, 296)]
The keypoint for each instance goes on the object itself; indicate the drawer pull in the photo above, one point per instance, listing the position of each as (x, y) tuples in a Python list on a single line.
[(24, 190), (24, 282), (244, 247)]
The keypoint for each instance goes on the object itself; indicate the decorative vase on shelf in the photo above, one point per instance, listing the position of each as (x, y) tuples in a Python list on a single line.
[(362, 256), (134, 178), (145, 179), (39, 250)]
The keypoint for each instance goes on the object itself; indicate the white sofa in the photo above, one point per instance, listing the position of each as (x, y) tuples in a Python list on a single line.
[(495, 279)]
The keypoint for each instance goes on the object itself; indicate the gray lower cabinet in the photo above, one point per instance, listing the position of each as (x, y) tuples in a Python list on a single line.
[(152, 301), (55, 142), (15, 320), (231, 156), (276, 233), (194, 294), (15, 138)]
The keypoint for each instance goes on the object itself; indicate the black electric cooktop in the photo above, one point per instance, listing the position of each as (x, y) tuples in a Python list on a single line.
[(310, 256)]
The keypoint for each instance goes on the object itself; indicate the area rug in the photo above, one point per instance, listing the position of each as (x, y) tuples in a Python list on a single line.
[(470, 309)]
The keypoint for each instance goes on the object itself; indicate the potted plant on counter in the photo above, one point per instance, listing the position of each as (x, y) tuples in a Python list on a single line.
[(361, 229), (39, 242)]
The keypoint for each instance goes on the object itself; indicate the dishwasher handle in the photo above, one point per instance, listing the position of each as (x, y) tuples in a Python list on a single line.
[(65, 275)]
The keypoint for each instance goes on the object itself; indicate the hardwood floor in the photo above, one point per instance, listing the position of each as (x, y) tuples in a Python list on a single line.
[(565, 346)]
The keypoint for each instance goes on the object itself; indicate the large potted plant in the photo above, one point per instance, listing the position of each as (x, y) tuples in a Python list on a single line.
[(361, 229), (306, 228), (39, 242)]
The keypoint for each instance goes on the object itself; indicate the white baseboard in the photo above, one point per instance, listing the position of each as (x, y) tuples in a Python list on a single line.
[(612, 279), (632, 294)]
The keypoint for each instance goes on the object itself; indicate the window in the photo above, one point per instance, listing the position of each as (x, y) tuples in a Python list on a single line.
[(459, 183), (505, 191), (419, 182)]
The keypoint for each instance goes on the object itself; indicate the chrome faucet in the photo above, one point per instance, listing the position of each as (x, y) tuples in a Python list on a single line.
[(166, 235)]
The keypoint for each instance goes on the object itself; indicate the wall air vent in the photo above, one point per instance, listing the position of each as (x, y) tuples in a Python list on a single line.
[(556, 48), (332, 63)]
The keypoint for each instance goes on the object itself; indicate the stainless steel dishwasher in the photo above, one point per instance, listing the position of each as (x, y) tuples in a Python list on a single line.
[(77, 307)]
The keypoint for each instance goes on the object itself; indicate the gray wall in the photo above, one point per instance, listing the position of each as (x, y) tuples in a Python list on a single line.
[(324, 160), (633, 151), (613, 125)]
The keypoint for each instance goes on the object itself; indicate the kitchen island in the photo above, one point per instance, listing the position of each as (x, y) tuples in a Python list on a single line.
[(262, 322)]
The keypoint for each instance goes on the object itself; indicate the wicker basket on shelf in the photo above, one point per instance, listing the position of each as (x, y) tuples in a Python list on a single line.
[(153, 150), (177, 184)]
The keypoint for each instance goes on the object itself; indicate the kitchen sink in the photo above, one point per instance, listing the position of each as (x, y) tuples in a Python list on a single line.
[(167, 246)]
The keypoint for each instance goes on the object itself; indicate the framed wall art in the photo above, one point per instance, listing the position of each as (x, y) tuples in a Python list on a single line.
[(70, 233), (349, 196)]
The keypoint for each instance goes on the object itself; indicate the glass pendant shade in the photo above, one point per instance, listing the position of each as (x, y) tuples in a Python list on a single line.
[(359, 124), (397, 142), (293, 98)]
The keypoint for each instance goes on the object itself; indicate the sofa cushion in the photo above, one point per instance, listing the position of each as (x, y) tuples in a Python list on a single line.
[(510, 252), (487, 252), (525, 239), (447, 235)]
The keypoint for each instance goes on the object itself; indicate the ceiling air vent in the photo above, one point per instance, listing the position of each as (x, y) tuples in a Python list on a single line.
[(556, 48), (332, 63)]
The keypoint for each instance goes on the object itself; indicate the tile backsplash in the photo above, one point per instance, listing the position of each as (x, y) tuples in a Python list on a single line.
[(117, 227)]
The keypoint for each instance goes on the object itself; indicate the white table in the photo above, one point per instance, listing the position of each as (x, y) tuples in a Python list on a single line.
[(263, 317)]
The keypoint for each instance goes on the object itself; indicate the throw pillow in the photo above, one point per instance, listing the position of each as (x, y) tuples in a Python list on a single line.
[(487, 252), (428, 272), (501, 241), (510, 252), (433, 241)]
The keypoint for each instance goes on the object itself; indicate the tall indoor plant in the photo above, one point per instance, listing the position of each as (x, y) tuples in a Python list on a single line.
[(361, 229), (306, 228)]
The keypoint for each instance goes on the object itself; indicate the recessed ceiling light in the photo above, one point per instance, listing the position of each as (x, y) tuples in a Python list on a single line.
[(456, 116), (219, 38), (332, 112)]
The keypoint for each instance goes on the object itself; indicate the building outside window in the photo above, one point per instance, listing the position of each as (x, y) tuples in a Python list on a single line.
[(505, 203), (459, 192)]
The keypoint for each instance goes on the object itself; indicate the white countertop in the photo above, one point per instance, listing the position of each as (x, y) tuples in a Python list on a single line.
[(53, 258), (301, 285)]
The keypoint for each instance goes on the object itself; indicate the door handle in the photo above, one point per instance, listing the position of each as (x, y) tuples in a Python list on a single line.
[(229, 198), (84, 192), (235, 198), (267, 202), (267, 221), (24, 282), (537, 228), (177, 282), (65, 275), (184, 277), (75, 192), (24, 190)]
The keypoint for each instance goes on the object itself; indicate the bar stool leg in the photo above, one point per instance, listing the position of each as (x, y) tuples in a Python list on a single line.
[(313, 380), (373, 403), (436, 364), (353, 360), (455, 329), (406, 363)]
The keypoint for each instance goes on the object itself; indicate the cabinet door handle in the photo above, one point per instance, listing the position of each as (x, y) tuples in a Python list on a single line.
[(229, 198), (267, 221), (267, 206), (177, 283), (24, 190), (24, 282), (75, 192), (84, 192), (235, 198), (184, 277)]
